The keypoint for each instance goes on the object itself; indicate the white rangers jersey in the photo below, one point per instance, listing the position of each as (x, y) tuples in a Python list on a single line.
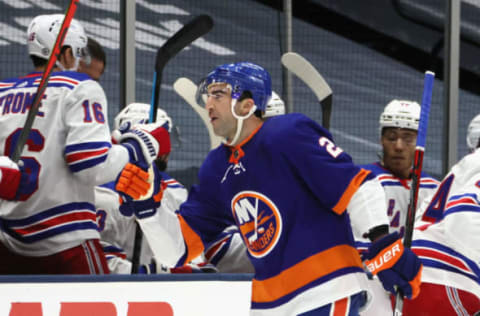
[(397, 192), (68, 146), (449, 246), (118, 231)]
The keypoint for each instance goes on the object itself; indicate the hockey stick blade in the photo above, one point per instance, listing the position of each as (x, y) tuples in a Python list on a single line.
[(185, 88), (304, 70), (32, 112), (416, 173), (191, 31)]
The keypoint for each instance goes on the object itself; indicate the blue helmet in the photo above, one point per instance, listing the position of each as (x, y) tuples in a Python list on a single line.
[(244, 76)]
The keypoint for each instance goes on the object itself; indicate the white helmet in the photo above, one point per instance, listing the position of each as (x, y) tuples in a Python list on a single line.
[(139, 113), (473, 133), (275, 106), (42, 33), (400, 113)]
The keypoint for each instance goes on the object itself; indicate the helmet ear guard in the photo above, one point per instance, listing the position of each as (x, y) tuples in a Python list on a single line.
[(473, 133)]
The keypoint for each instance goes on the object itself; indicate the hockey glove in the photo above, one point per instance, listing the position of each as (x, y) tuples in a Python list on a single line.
[(144, 142), (147, 203), (14, 180), (395, 265), (133, 181)]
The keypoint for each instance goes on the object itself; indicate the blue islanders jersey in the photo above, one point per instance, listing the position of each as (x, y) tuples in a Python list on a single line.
[(286, 188)]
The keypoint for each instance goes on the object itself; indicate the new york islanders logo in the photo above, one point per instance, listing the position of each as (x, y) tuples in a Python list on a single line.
[(259, 221)]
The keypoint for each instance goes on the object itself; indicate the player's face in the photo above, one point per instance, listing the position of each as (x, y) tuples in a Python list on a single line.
[(218, 106), (398, 150)]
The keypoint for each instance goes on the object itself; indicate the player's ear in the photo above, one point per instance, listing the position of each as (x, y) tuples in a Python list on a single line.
[(245, 105), (66, 57)]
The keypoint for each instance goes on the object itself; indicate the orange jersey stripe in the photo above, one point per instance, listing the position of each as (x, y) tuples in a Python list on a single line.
[(305, 272), (192, 240), (349, 191)]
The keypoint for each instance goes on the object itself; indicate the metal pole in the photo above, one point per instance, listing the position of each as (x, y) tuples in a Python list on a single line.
[(451, 84), (287, 75), (127, 52)]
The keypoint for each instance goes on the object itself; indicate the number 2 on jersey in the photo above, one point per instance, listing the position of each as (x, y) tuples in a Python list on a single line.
[(330, 147)]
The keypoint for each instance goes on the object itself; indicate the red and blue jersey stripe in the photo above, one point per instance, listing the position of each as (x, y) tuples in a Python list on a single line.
[(55, 221), (86, 155)]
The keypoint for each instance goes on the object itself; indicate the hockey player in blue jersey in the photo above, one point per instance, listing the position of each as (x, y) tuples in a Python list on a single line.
[(295, 196), (47, 213)]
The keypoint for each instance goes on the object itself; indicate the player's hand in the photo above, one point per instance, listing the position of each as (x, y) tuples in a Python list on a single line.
[(133, 181), (14, 180), (144, 142), (144, 204), (395, 265)]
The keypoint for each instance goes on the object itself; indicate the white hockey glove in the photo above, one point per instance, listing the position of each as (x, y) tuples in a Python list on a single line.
[(142, 142)]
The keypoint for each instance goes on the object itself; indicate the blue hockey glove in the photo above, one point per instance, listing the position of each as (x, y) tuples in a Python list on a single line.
[(395, 265)]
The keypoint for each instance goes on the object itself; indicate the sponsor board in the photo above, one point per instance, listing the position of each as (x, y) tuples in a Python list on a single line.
[(74, 297)]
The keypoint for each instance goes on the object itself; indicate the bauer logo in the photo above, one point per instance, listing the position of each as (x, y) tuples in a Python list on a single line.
[(259, 221)]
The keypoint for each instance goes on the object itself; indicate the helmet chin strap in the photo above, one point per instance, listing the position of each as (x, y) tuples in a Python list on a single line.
[(240, 120)]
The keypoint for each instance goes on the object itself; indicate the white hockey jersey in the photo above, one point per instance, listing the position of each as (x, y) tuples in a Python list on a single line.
[(449, 246), (67, 151), (118, 231), (397, 193)]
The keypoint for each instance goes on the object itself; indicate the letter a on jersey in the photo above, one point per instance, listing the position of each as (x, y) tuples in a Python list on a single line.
[(259, 221)]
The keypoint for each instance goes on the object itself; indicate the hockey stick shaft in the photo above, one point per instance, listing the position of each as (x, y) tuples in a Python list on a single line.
[(191, 31), (416, 172), (32, 112), (185, 88), (304, 70)]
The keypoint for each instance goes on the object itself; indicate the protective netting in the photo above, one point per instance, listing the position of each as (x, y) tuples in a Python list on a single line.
[(363, 80)]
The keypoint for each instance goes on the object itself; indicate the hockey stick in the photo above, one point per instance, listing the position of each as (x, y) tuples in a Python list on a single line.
[(194, 29), (32, 112), (185, 88), (191, 31), (416, 172), (304, 70)]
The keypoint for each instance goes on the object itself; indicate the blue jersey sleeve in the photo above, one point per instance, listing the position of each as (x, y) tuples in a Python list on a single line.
[(325, 168), (203, 216)]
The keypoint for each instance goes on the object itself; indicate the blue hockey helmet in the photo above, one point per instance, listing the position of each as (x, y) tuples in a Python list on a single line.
[(244, 76)]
